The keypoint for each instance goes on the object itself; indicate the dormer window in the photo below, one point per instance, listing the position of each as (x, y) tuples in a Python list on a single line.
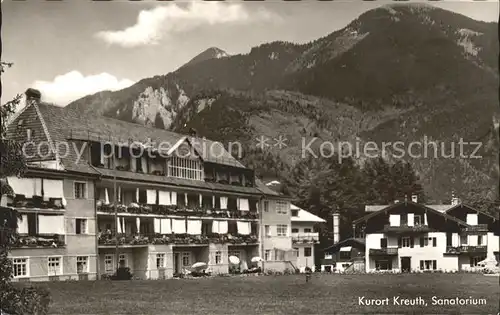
[(185, 168)]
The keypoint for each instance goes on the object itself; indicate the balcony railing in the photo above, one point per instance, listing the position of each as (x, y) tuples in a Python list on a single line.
[(39, 241), (476, 228), (178, 239), (405, 228), (383, 251), (465, 249), (36, 202), (180, 211), (305, 237)]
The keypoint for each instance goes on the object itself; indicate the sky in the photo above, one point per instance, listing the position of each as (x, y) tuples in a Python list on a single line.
[(73, 48)]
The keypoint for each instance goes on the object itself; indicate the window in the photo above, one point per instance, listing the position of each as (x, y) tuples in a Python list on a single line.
[(160, 261), (307, 230), (266, 205), (417, 220), (186, 258), (267, 254), (295, 230), (345, 255), (475, 260), (122, 260), (29, 134), (267, 230), (80, 190), (81, 226), (383, 265), (383, 243), (307, 251), (185, 168), (218, 258), (281, 230), (404, 219), (295, 213), (82, 264), (20, 267), (297, 252), (406, 242), (463, 240), (428, 265), (108, 263), (55, 266), (281, 207), (427, 241)]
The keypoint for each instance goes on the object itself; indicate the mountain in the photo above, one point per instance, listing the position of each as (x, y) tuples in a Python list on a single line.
[(401, 72), (210, 53)]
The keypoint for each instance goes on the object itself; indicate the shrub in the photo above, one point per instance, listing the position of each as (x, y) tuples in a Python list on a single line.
[(123, 273), (29, 300)]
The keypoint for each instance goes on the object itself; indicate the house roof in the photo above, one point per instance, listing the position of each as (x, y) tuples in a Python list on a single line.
[(462, 205), (375, 208), (305, 216), (56, 125), (390, 207), (354, 242)]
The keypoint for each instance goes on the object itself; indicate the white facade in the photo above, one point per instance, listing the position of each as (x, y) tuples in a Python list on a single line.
[(408, 243), (304, 237)]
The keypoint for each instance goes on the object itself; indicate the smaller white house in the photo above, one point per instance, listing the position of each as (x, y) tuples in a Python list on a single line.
[(304, 237)]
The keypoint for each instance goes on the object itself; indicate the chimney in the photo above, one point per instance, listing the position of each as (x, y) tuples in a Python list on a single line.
[(32, 94), (454, 199), (414, 198), (336, 234)]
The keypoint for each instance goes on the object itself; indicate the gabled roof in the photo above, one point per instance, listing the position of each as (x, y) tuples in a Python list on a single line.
[(60, 124), (390, 207), (55, 124), (356, 242), (460, 205), (375, 208), (305, 216)]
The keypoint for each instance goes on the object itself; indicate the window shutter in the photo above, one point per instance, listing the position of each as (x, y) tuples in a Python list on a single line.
[(434, 242), (421, 265), (471, 261), (421, 242), (434, 264), (399, 242), (412, 242)]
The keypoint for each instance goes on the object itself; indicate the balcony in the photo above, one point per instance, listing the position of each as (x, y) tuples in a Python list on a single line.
[(465, 249), (476, 228), (405, 228), (383, 252), (39, 241), (305, 237), (108, 239), (36, 203), (180, 211)]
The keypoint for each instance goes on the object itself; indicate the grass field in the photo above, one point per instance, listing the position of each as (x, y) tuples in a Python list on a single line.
[(325, 294)]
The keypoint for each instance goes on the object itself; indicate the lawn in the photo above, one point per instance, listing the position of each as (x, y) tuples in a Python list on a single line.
[(325, 294)]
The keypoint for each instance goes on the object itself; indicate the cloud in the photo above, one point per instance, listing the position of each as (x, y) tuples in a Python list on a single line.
[(73, 85), (154, 24)]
